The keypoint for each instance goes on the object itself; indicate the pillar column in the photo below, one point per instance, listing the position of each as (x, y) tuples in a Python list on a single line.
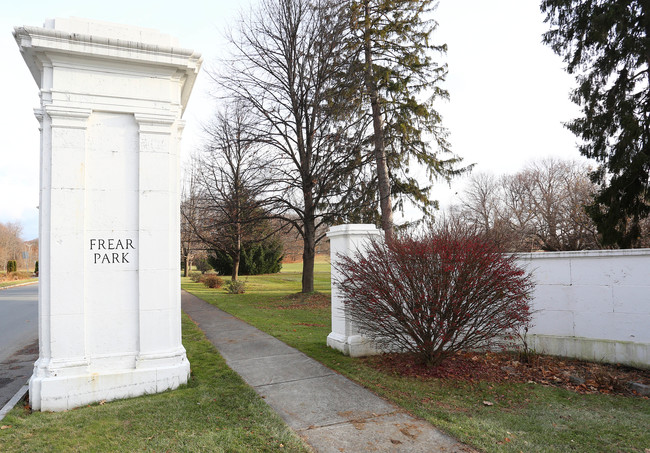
[(159, 239), (61, 233), (345, 240)]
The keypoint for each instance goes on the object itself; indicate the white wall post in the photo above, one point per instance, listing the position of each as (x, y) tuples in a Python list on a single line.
[(109, 300), (346, 240)]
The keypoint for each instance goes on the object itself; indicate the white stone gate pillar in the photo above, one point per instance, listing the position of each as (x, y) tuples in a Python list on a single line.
[(344, 241), (109, 299)]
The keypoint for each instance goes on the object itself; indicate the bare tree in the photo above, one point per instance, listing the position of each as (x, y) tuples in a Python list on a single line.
[(228, 208), (558, 192), (481, 203), (287, 56), (10, 242), (190, 242), (516, 213)]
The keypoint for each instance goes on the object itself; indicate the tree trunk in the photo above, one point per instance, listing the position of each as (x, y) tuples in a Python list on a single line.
[(237, 256), (308, 256), (235, 265), (309, 247), (385, 202), (187, 265)]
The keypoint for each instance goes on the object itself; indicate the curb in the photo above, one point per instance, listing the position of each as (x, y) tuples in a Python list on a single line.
[(19, 284), (14, 400)]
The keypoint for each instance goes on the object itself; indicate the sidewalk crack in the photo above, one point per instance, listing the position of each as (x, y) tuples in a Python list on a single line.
[(294, 380)]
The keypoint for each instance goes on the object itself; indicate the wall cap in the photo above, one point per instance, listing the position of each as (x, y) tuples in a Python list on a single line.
[(614, 253), (349, 229)]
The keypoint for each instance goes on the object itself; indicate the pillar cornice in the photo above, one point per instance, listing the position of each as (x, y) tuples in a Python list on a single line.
[(44, 46)]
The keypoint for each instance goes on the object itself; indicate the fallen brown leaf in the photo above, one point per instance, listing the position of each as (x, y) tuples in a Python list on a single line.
[(498, 367)]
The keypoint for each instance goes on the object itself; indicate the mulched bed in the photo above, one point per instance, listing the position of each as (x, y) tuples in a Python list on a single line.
[(578, 376)]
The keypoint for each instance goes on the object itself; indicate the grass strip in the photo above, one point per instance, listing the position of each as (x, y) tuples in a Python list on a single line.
[(216, 411), (523, 417), (17, 282)]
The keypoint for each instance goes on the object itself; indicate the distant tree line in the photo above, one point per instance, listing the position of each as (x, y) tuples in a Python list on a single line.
[(541, 207), (13, 248)]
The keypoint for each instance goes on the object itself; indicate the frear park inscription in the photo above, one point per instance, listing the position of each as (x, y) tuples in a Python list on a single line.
[(111, 250), (112, 98)]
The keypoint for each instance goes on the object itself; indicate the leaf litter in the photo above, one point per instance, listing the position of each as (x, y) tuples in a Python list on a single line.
[(500, 367)]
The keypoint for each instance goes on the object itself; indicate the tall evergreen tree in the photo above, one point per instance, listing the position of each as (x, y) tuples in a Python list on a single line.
[(606, 44), (401, 82)]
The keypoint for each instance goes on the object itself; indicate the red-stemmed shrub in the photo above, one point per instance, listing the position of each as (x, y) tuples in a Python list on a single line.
[(435, 294)]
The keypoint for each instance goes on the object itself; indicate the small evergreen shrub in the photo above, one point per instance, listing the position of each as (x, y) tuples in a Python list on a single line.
[(36, 267), (436, 294), (263, 258), (11, 266), (260, 258), (222, 263), (195, 276), (212, 281), (202, 265), (235, 287)]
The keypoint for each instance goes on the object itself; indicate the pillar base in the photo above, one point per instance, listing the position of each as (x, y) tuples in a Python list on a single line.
[(58, 390), (353, 345)]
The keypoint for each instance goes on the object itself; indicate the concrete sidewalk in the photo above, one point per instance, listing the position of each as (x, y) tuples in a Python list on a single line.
[(332, 413)]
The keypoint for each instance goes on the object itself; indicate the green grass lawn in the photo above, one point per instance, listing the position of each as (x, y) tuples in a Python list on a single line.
[(524, 417), (17, 282), (321, 268), (216, 412)]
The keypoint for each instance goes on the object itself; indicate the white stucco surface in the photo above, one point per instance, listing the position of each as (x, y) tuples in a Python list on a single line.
[(593, 305), (112, 98)]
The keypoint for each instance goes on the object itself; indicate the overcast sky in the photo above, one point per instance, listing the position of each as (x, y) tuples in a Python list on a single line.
[(509, 93)]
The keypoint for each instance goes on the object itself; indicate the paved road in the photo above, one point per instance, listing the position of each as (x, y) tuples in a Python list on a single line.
[(18, 338)]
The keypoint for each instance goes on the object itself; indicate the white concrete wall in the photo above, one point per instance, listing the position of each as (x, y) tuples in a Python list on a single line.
[(593, 305)]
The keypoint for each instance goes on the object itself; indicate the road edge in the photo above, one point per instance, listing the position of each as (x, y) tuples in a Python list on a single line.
[(14, 400), (19, 284)]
